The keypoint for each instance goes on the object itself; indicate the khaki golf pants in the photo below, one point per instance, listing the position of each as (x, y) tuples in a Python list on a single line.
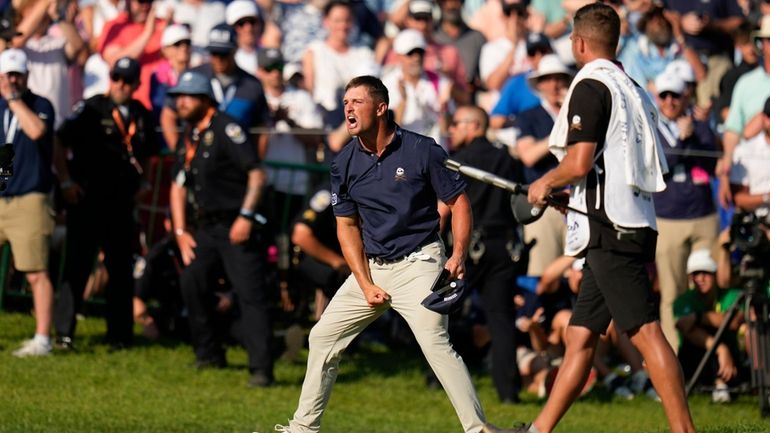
[(408, 282)]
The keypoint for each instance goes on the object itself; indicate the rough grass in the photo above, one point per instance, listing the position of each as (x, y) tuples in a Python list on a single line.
[(153, 388)]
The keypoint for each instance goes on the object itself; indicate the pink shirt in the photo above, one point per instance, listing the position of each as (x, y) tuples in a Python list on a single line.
[(122, 32)]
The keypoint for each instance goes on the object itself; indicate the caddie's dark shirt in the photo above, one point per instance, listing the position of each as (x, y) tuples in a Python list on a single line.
[(491, 205), (590, 108), (395, 195), (217, 176), (101, 163)]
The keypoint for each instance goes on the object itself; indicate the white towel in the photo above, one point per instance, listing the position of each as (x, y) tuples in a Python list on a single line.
[(645, 163)]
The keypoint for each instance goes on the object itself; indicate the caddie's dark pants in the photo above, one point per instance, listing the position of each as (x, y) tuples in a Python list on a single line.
[(244, 268), (91, 226), (495, 277)]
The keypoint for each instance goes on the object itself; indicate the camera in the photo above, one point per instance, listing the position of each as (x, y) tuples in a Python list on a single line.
[(748, 237), (6, 164)]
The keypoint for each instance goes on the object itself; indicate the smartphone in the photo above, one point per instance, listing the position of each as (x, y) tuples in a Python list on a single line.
[(441, 281)]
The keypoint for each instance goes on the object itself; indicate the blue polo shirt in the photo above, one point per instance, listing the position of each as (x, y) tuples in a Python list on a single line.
[(395, 195), (32, 159)]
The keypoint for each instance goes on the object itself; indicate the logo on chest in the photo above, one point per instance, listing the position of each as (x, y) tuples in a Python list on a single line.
[(400, 175)]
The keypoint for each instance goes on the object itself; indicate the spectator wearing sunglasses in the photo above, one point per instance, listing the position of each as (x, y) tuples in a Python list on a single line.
[(686, 215), (176, 50), (244, 17)]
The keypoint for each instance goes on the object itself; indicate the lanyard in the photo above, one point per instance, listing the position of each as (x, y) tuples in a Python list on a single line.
[(666, 131), (223, 97), (127, 134), (10, 126), (192, 139)]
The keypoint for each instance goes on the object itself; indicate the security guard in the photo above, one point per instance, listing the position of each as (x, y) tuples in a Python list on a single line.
[(111, 138), (495, 249), (217, 187), (317, 251)]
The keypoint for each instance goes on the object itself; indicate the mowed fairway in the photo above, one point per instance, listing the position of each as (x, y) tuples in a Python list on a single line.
[(153, 388)]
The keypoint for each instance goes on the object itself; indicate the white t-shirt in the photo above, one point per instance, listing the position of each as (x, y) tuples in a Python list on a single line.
[(751, 165), (332, 70), (48, 73), (247, 60), (286, 147), (423, 101)]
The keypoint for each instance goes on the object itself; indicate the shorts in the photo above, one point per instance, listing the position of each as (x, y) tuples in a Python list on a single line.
[(614, 286), (26, 221)]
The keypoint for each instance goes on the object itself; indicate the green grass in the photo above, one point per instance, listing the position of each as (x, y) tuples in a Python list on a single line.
[(153, 388)]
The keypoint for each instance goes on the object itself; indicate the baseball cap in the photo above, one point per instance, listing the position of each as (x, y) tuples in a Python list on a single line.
[(700, 260), (270, 58), (173, 34), (193, 83), (538, 42), (13, 60), (7, 30), (221, 40), (446, 295), (290, 70), (408, 40), (669, 82), (240, 9), (682, 69), (549, 65), (421, 8), (127, 69)]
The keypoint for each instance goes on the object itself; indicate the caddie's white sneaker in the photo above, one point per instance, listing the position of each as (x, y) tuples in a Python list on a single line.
[(33, 347)]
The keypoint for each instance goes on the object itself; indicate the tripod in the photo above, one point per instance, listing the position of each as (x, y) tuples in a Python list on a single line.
[(753, 301)]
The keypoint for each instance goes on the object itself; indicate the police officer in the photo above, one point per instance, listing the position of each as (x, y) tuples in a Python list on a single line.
[(318, 254), (217, 187), (495, 247), (111, 138)]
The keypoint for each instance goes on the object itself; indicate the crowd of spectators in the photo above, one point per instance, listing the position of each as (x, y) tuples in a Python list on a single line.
[(279, 68)]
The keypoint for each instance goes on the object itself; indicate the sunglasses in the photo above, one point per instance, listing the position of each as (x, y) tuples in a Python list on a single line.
[(144, 2), (243, 22), (666, 94), (457, 122), (117, 78), (272, 68)]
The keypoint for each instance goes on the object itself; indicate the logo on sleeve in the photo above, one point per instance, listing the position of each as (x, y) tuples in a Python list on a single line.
[(400, 174), (334, 199), (576, 124), (235, 132)]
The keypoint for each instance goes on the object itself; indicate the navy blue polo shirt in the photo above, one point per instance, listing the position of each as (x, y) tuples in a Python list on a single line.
[(395, 195), (32, 159)]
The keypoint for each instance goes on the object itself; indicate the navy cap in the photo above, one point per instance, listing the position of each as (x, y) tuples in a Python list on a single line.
[(127, 69), (538, 42), (446, 299), (193, 83), (268, 58), (221, 40)]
